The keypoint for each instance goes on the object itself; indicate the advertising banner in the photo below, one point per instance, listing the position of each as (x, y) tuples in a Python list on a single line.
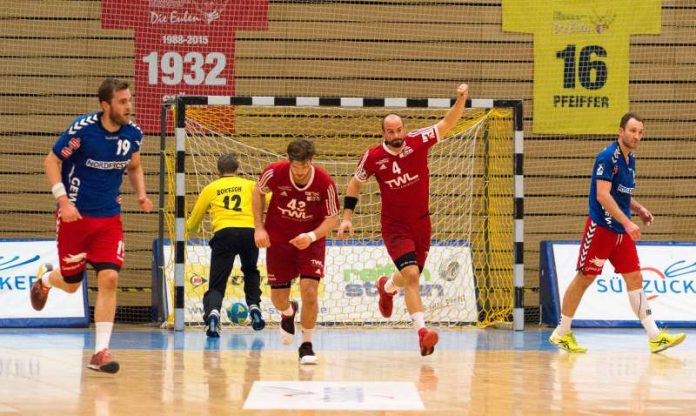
[(669, 282), (182, 46), (19, 262), (348, 292)]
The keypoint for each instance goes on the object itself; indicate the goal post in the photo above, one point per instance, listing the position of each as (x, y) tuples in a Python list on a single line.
[(474, 275)]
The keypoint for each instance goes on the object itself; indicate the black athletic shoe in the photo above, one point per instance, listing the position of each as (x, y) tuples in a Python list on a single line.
[(307, 355), (213, 328), (287, 324), (257, 321)]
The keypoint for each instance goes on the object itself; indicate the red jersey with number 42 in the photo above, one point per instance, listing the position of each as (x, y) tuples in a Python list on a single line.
[(403, 178), (295, 210)]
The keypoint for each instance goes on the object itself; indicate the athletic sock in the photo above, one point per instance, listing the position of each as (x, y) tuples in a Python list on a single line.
[(103, 335)]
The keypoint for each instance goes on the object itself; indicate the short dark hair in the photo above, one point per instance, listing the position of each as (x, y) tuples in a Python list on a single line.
[(109, 86), (626, 117), (228, 163), (301, 150)]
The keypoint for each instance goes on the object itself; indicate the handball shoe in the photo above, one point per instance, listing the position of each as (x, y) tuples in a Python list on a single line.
[(103, 362), (39, 292), (386, 300), (287, 324)]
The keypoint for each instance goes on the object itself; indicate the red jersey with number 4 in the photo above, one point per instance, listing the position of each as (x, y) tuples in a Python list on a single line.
[(403, 178), (295, 210)]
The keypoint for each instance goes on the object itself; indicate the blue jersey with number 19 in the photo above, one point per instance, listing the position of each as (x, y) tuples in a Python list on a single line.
[(93, 163)]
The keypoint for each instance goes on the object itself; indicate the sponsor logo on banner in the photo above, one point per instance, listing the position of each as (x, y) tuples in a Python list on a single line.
[(19, 262), (350, 276), (669, 282)]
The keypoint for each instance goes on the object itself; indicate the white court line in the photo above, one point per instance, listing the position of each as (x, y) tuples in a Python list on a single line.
[(334, 395)]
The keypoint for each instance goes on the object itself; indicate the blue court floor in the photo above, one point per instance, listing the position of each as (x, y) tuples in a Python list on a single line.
[(331, 339)]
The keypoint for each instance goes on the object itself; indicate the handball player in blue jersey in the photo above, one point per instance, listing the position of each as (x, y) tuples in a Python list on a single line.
[(85, 169), (611, 235)]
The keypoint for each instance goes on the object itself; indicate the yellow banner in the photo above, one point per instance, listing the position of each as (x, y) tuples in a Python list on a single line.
[(581, 59)]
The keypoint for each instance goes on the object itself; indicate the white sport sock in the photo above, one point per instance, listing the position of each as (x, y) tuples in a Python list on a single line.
[(639, 303), (45, 279), (307, 334), (564, 326), (418, 320), (103, 335), (390, 287)]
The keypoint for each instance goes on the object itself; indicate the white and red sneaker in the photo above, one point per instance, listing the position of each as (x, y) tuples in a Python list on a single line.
[(103, 362)]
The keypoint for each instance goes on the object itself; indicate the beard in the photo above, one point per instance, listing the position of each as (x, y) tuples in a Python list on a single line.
[(118, 119), (395, 142)]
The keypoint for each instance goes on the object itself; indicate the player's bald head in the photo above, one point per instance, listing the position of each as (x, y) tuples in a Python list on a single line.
[(391, 121)]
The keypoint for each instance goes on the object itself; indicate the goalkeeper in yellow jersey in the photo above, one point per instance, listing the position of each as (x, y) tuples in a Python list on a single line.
[(228, 199)]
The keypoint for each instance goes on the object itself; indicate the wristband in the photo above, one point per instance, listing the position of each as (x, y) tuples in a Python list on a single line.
[(349, 202), (312, 235), (59, 190)]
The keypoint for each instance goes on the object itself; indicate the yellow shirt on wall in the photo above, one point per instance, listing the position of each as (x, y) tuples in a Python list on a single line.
[(581, 58), (229, 201)]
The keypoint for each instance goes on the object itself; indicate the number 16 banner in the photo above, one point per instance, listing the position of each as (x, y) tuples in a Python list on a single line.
[(182, 46), (581, 59)]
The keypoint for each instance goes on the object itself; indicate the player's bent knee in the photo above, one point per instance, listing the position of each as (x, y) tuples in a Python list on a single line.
[(408, 259), (72, 279)]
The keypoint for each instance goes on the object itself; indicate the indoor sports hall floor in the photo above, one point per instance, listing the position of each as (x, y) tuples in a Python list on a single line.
[(378, 371)]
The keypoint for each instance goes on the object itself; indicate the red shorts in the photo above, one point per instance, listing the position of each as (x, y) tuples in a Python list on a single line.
[(285, 262), (401, 238), (91, 239), (600, 244)]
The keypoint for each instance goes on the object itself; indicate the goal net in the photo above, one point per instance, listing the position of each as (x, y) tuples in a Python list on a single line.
[(468, 278)]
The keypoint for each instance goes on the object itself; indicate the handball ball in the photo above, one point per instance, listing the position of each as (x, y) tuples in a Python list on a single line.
[(238, 313)]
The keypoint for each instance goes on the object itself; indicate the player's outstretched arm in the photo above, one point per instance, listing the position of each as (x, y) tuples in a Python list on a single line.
[(137, 180), (455, 113), (350, 200), (52, 167), (257, 206)]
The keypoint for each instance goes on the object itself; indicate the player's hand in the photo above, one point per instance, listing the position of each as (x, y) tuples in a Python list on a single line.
[(462, 91), (633, 230), (646, 216), (69, 212), (302, 241), (145, 204), (345, 225), (261, 238)]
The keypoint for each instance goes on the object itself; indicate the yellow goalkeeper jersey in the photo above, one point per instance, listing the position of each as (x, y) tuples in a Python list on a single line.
[(581, 58), (229, 201)]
